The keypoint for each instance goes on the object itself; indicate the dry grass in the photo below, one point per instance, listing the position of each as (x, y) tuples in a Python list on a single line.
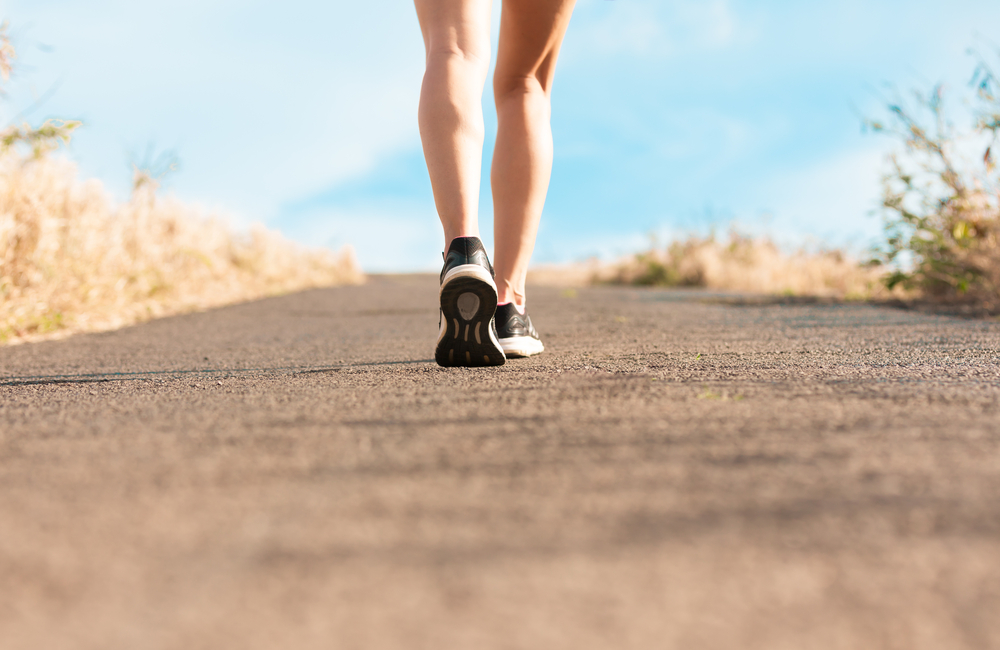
[(73, 260), (746, 264)]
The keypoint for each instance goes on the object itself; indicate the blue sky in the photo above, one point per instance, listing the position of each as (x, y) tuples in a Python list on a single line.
[(668, 116)]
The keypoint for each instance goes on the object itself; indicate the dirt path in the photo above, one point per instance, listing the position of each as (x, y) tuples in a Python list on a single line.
[(675, 472)]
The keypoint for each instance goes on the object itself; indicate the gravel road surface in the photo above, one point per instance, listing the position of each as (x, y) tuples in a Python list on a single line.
[(679, 470)]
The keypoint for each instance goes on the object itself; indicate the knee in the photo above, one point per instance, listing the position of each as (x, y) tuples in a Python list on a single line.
[(525, 88), (453, 60)]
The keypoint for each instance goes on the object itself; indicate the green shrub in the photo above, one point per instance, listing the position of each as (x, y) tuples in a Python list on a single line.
[(941, 197)]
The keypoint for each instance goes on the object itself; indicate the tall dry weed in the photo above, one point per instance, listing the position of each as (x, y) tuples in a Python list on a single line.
[(72, 259), (748, 264)]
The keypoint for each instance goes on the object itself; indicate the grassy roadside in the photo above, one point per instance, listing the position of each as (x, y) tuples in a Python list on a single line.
[(748, 264), (940, 206), (73, 260)]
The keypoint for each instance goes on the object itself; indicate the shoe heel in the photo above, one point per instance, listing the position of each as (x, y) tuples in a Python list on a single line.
[(466, 339)]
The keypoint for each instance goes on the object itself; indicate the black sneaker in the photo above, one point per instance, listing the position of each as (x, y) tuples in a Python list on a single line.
[(468, 301), (517, 336)]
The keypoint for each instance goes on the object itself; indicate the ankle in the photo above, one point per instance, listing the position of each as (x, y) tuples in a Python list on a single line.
[(506, 293), (519, 308), (450, 237)]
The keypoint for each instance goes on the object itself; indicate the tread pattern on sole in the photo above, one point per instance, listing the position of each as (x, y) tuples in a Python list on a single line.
[(465, 338)]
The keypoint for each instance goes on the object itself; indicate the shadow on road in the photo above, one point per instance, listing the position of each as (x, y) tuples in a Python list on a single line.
[(146, 375)]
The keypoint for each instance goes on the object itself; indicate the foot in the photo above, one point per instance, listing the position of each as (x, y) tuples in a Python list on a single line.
[(468, 296), (515, 332)]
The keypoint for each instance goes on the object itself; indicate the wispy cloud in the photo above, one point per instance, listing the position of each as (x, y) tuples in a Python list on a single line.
[(263, 104), (653, 29)]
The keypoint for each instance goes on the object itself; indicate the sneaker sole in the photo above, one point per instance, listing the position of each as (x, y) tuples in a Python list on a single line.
[(521, 346), (468, 303)]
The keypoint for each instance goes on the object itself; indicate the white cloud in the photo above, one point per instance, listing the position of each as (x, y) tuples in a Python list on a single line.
[(263, 102), (386, 236), (712, 23), (652, 28), (831, 200)]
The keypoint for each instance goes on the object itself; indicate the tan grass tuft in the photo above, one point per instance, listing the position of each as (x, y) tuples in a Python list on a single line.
[(748, 264), (73, 260)]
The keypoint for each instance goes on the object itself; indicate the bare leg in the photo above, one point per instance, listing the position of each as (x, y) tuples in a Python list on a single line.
[(531, 32), (457, 40)]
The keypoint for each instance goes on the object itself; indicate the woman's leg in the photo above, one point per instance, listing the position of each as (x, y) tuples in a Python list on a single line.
[(457, 40), (531, 32)]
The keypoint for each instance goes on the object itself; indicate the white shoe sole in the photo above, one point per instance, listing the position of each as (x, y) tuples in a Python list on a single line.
[(468, 271), (521, 346), (468, 300)]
